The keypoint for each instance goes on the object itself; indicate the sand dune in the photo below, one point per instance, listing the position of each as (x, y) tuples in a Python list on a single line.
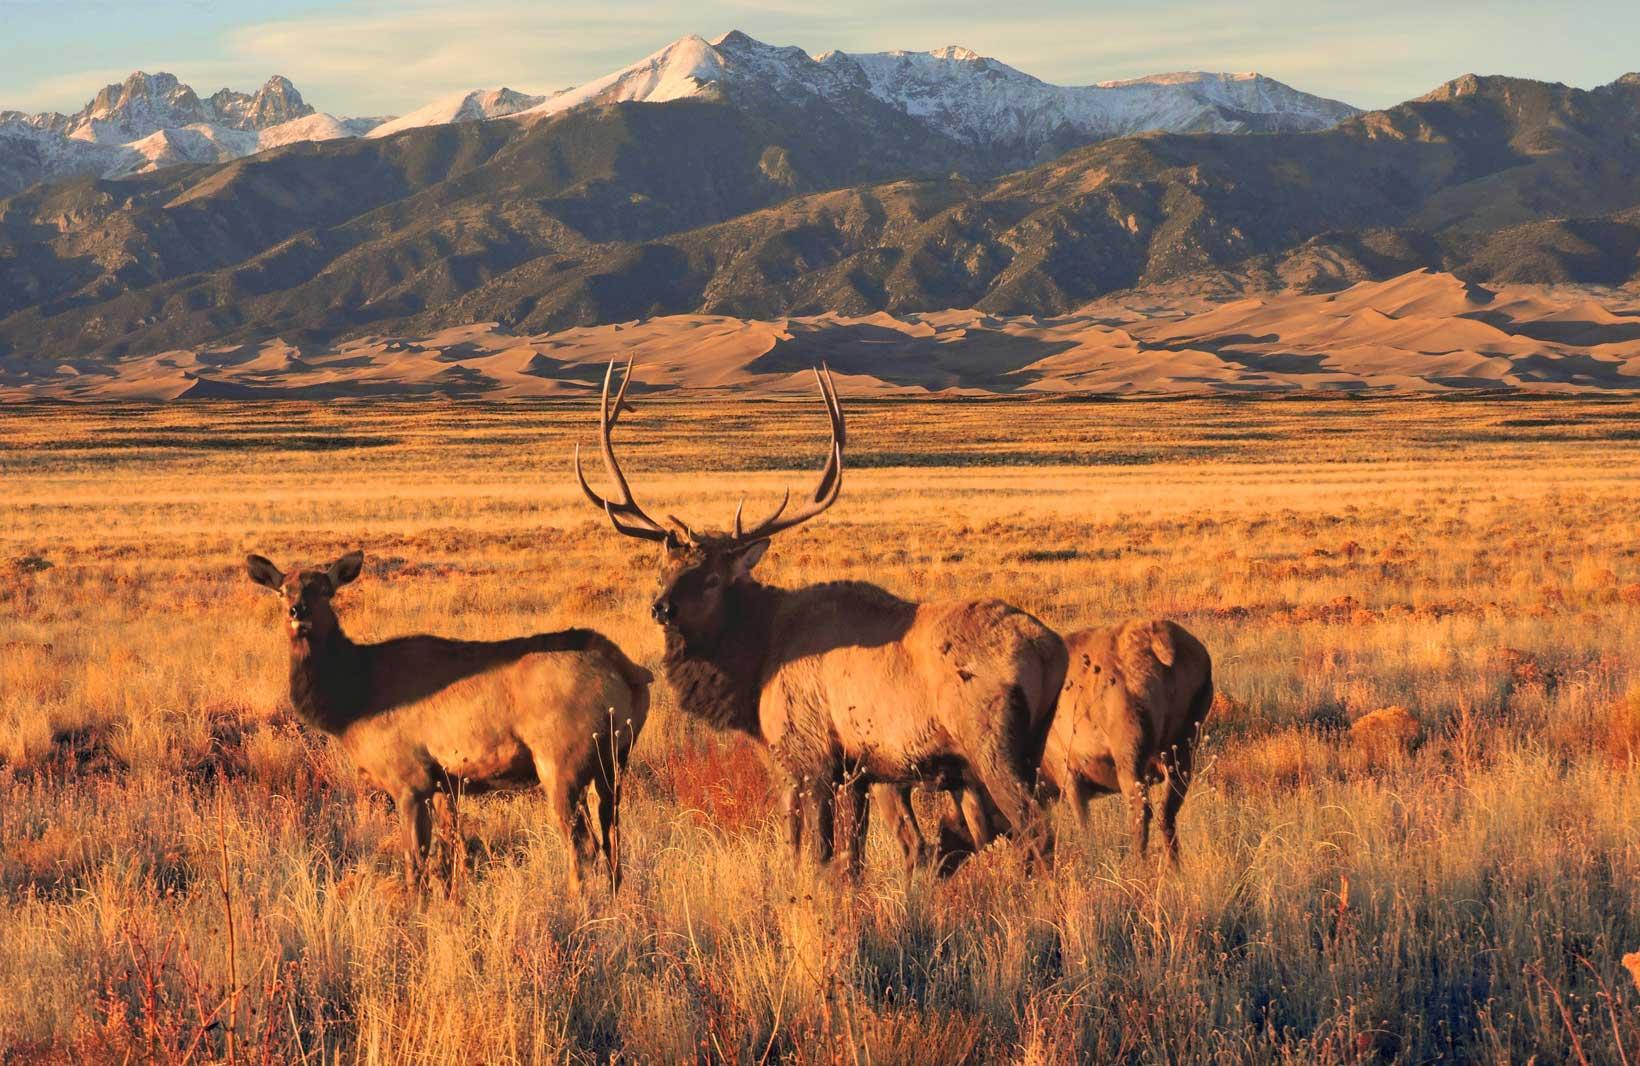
[(1418, 332)]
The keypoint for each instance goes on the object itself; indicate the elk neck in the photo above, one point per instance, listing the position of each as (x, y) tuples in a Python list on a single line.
[(722, 684), (328, 681)]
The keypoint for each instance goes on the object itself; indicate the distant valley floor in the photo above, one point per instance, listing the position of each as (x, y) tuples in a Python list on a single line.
[(1420, 332)]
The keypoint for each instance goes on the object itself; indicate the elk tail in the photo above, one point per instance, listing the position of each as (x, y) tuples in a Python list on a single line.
[(1161, 643)]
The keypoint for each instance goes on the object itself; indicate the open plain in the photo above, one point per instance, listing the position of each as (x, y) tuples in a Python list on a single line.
[(1413, 835)]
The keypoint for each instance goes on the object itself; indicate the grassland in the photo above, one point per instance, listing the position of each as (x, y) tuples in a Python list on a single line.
[(187, 874)]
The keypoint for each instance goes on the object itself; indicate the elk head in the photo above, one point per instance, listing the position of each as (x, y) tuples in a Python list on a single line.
[(698, 569), (306, 593)]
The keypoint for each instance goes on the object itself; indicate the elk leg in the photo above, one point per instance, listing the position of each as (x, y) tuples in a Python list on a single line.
[(859, 824), (894, 807), (416, 820), (956, 844), (821, 795), (793, 804), (1007, 787), (1082, 800), (1130, 776), (1176, 768), (1007, 769), (971, 802), (1013, 798), (572, 818), (609, 828)]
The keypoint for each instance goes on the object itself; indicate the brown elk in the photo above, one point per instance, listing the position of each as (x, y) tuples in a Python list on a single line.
[(421, 715), (845, 682), (1129, 716)]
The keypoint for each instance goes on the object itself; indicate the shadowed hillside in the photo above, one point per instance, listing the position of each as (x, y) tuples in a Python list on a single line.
[(607, 215)]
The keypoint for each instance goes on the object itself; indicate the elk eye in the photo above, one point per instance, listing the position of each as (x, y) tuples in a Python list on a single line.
[(713, 581)]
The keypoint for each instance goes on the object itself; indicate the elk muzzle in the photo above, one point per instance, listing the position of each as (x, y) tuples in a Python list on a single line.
[(300, 623), (663, 610)]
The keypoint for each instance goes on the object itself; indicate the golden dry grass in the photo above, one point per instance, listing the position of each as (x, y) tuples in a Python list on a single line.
[(1469, 898)]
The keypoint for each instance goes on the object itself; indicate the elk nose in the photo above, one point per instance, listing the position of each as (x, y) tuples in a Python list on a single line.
[(298, 611), (662, 610)]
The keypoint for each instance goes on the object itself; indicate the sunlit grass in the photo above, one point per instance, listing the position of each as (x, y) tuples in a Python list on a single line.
[(1454, 879)]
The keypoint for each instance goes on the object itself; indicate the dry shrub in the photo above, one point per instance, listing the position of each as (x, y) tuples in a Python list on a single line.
[(1619, 730), (1524, 669), (287, 763), (1292, 758), (60, 854), (1227, 710), (83, 751), (219, 750), (1630, 594), (902, 1036), (1386, 734), (820, 934), (1592, 577), (721, 782)]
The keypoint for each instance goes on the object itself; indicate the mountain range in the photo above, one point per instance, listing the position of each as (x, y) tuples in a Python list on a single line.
[(153, 120), (736, 178)]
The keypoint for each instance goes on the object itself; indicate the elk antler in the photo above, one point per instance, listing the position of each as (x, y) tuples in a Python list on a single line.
[(624, 514), (831, 477)]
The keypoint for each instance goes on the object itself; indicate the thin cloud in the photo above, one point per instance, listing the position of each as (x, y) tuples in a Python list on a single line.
[(375, 57)]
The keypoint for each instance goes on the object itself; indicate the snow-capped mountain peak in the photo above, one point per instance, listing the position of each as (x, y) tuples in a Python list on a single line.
[(154, 120), (959, 93), (476, 105), (276, 103), (952, 92)]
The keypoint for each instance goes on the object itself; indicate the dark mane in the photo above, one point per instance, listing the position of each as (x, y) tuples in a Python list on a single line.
[(722, 686)]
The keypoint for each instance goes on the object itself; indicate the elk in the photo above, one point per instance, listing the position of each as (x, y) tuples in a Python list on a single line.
[(844, 682), (422, 715), (1129, 716)]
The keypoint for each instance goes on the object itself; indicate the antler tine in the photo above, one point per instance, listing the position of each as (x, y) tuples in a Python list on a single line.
[(776, 513), (624, 513), (830, 485), (834, 471)]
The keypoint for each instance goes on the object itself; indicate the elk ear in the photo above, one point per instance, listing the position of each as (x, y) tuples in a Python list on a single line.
[(747, 557), (345, 569), (263, 572)]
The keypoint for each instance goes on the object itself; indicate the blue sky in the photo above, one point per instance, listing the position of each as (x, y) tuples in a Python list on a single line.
[(374, 57)]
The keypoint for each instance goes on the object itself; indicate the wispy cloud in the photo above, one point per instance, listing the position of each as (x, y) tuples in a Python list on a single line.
[(376, 56), (391, 58)]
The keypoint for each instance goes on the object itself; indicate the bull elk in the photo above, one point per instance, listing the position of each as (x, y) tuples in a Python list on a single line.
[(844, 682), (421, 715), (1129, 716)]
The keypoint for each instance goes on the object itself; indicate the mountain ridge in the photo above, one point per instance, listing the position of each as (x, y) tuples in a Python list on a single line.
[(150, 121), (959, 93), (805, 204)]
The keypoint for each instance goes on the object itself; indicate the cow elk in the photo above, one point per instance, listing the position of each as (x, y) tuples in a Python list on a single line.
[(845, 683), (421, 715), (1130, 715)]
